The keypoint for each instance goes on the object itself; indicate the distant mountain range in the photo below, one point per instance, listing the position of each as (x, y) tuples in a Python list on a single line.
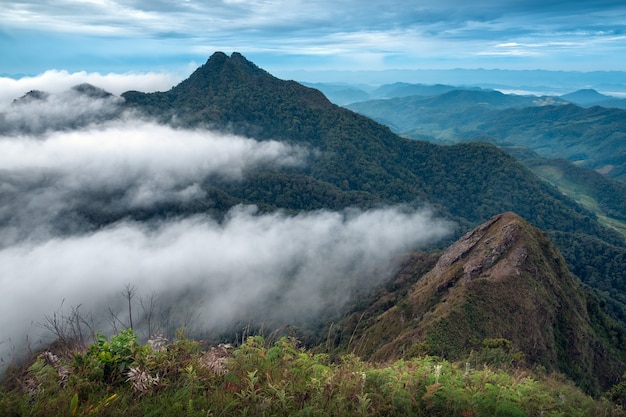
[(591, 136), (345, 93), (537, 82)]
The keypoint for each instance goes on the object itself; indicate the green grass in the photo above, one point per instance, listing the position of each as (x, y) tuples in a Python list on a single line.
[(117, 376)]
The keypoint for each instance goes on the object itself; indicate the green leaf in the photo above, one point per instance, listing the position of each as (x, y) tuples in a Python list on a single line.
[(74, 405)]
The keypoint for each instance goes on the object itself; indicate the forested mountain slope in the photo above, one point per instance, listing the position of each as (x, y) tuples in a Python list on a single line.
[(358, 162), (591, 137)]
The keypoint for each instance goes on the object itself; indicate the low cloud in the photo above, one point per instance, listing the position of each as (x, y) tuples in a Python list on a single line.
[(244, 266), (55, 81), (39, 112), (58, 100), (119, 165), (249, 266)]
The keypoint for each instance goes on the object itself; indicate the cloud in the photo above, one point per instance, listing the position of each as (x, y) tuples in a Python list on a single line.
[(38, 112), (117, 166), (75, 168), (66, 239), (249, 266), (55, 82)]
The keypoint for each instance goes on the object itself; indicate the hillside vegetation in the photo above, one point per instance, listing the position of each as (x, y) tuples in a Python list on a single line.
[(591, 137), (117, 376), (357, 159), (504, 279), (534, 130)]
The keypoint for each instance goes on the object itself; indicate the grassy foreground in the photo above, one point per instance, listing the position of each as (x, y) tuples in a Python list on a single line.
[(118, 376)]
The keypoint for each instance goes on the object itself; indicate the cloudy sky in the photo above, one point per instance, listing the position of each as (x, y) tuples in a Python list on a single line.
[(283, 35)]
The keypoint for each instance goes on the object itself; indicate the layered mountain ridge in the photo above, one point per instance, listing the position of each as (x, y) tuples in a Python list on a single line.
[(503, 279), (359, 162), (572, 126), (357, 154)]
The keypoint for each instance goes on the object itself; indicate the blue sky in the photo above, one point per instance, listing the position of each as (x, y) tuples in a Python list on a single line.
[(124, 36)]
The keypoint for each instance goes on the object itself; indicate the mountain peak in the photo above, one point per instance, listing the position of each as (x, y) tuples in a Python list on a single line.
[(504, 279), (585, 97), (493, 250), (236, 59), (91, 91), (32, 95), (221, 68), (232, 92)]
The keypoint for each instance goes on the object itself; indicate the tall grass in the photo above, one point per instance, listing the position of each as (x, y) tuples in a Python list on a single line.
[(117, 376)]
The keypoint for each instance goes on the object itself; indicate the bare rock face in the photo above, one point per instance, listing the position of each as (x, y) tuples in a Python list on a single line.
[(504, 279), (486, 251)]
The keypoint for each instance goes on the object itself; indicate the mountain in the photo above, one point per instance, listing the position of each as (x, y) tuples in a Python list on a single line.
[(401, 89), (502, 280), (533, 81), (590, 97), (355, 153), (618, 103), (38, 112), (353, 162), (344, 94), (358, 162), (591, 137), (340, 93), (92, 91), (84, 89), (446, 113), (585, 97), (551, 126), (600, 194), (595, 191), (32, 95)]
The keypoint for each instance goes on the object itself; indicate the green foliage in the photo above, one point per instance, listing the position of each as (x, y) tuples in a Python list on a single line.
[(114, 355), (591, 137), (498, 343), (281, 378), (497, 353), (593, 190), (617, 394)]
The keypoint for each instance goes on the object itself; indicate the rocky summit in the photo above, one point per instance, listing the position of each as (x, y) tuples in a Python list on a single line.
[(502, 280)]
